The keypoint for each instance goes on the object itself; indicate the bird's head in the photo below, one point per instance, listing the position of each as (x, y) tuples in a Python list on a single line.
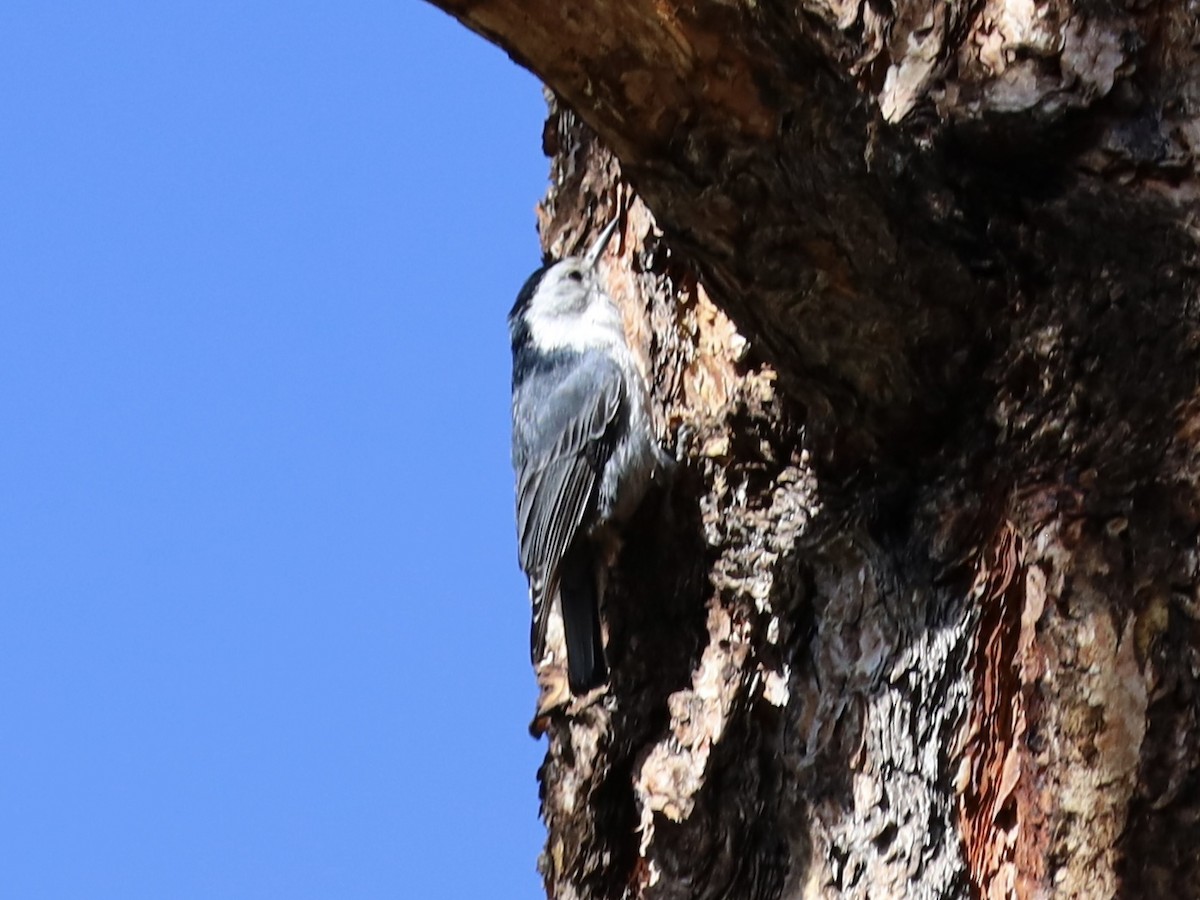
[(564, 307)]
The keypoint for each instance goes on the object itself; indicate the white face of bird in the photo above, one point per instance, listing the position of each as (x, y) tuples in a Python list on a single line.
[(570, 309)]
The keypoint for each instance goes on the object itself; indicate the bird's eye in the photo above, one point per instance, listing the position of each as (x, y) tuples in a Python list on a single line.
[(575, 275)]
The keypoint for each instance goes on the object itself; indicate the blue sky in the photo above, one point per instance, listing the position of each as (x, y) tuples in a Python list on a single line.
[(262, 632)]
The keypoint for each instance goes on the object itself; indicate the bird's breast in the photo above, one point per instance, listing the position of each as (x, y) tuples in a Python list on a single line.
[(630, 468)]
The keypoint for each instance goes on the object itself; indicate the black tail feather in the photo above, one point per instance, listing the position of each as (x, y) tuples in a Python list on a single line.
[(586, 668)]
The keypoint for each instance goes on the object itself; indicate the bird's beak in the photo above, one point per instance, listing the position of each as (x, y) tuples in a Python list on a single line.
[(593, 255)]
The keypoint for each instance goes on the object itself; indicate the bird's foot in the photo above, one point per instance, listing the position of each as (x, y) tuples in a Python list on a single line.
[(554, 695), (556, 700)]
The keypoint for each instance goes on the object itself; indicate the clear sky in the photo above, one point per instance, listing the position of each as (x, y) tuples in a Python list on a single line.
[(262, 631)]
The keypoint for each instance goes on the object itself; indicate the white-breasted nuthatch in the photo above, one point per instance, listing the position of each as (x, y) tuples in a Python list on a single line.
[(583, 448)]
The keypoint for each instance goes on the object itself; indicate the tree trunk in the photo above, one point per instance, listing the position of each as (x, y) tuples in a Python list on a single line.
[(916, 286)]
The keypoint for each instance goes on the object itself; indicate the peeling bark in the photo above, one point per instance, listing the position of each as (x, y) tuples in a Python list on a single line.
[(915, 285)]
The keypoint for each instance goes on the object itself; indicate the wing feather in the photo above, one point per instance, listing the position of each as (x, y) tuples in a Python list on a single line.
[(568, 438)]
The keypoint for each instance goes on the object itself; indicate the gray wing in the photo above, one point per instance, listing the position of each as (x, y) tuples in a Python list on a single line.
[(560, 446)]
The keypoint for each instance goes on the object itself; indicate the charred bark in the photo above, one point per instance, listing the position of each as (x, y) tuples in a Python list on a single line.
[(916, 288)]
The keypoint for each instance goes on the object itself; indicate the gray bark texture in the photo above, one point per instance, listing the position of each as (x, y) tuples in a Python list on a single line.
[(915, 285)]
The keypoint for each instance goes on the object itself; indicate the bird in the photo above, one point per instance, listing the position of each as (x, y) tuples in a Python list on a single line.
[(584, 452)]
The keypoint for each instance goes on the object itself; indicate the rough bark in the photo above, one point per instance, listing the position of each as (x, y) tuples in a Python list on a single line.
[(916, 287)]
